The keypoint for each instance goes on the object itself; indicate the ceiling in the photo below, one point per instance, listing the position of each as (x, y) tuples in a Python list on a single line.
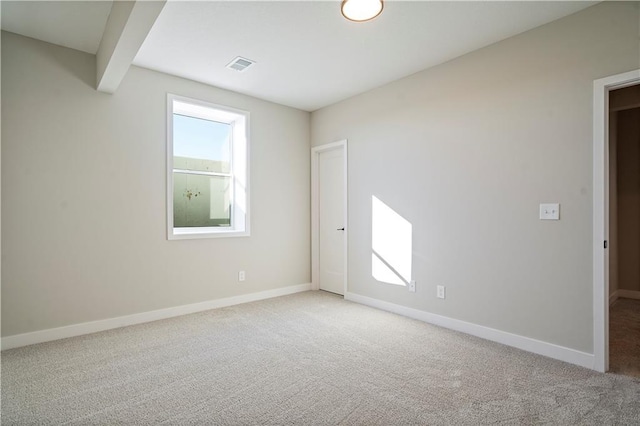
[(307, 55)]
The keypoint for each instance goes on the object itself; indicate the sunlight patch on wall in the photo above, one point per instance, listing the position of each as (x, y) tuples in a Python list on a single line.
[(391, 244)]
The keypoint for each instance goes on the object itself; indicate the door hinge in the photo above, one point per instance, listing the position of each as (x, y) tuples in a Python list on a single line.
[(605, 243)]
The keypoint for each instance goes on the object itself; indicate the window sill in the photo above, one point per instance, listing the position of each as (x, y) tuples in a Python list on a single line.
[(194, 233)]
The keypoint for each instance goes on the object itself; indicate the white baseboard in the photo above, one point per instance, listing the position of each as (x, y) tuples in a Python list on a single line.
[(613, 297), (539, 347), (41, 336), (628, 294)]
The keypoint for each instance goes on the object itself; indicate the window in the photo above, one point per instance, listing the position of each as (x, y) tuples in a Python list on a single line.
[(207, 170)]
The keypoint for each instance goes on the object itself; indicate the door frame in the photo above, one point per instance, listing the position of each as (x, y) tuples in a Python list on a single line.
[(315, 211), (601, 89)]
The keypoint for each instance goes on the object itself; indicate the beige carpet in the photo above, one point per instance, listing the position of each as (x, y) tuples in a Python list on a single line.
[(308, 359), (624, 337)]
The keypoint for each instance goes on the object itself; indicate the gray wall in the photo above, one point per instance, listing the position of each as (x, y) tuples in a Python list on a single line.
[(466, 151), (83, 195)]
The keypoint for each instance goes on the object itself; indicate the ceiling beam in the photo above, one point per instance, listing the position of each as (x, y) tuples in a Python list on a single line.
[(127, 27)]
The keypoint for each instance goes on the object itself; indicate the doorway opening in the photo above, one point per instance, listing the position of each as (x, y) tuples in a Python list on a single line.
[(606, 268), (624, 230)]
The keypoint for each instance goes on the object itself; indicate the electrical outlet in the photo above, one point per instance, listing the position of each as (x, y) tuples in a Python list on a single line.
[(241, 276), (412, 286), (440, 292)]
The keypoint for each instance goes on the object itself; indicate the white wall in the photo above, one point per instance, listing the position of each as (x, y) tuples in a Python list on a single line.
[(83, 195), (466, 151)]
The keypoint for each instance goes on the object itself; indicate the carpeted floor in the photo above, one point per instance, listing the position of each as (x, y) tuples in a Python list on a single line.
[(310, 359), (624, 337)]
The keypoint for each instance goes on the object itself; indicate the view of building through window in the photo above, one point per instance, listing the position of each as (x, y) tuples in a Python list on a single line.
[(202, 190)]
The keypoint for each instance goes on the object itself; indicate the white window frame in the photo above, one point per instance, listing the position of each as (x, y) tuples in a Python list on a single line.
[(239, 122)]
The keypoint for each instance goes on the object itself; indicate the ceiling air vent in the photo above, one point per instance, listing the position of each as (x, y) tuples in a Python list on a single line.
[(240, 63)]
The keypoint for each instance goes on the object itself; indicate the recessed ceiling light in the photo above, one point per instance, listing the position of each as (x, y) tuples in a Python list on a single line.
[(240, 64), (361, 10)]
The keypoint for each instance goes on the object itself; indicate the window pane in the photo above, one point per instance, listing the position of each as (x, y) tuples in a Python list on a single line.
[(201, 145), (201, 200)]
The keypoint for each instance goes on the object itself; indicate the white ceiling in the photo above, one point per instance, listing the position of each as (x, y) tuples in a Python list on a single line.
[(307, 55)]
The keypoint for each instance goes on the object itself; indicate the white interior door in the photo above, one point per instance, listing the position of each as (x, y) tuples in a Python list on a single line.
[(331, 220)]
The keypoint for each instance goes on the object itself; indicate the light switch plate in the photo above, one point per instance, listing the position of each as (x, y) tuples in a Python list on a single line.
[(549, 211)]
